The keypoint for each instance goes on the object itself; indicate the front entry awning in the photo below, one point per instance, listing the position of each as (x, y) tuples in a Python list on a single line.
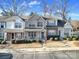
[(35, 30), (14, 30)]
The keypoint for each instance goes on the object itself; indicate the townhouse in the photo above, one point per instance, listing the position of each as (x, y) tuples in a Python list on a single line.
[(57, 27), (33, 27)]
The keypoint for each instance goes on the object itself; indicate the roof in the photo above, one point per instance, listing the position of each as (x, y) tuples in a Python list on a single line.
[(61, 23), (3, 18), (25, 17), (14, 30), (34, 16), (9, 18), (48, 17)]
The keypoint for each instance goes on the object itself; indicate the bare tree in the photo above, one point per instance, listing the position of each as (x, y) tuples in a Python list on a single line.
[(62, 8), (45, 7), (58, 8), (14, 9)]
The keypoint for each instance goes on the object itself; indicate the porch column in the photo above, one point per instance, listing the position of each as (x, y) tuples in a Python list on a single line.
[(14, 37), (5, 36), (23, 36), (45, 35), (26, 35), (37, 35)]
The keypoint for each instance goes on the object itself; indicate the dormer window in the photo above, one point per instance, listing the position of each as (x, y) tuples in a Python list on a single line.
[(18, 25), (39, 24)]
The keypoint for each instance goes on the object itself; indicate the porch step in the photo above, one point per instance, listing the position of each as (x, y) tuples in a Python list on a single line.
[(8, 42)]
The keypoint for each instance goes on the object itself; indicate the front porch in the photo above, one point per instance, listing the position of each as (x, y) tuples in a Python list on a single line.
[(35, 35), (15, 36), (53, 32)]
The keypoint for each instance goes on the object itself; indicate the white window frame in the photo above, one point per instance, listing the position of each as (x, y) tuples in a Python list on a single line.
[(52, 32), (39, 24), (1, 35), (18, 25), (52, 22), (2, 24), (32, 34)]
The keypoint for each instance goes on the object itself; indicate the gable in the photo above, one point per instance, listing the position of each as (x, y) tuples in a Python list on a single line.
[(68, 25), (36, 18), (18, 20)]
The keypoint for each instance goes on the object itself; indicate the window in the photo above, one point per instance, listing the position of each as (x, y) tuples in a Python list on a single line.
[(2, 25), (19, 35), (66, 34), (51, 22), (32, 35), (1, 35), (18, 25), (31, 25), (52, 32), (39, 24)]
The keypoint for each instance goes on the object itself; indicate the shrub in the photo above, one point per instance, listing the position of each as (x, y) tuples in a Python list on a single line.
[(40, 41), (74, 37), (55, 38), (13, 41), (67, 38), (51, 39), (18, 41), (4, 42), (1, 40), (34, 41)]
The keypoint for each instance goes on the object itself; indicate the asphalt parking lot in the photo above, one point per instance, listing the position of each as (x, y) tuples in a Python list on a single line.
[(6, 56), (48, 55)]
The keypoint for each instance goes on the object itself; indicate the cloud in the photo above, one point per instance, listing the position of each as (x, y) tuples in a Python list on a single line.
[(34, 3), (24, 4), (74, 14)]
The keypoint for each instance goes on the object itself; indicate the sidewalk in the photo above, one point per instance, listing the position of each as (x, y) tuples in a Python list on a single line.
[(40, 50)]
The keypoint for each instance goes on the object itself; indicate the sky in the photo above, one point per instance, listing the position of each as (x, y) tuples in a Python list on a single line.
[(35, 6)]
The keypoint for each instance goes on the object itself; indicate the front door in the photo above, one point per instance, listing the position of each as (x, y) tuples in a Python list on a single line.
[(42, 35), (10, 36)]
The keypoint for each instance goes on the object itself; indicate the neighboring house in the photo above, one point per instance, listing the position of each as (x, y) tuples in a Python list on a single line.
[(12, 28), (2, 27), (57, 27), (33, 27), (68, 29)]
